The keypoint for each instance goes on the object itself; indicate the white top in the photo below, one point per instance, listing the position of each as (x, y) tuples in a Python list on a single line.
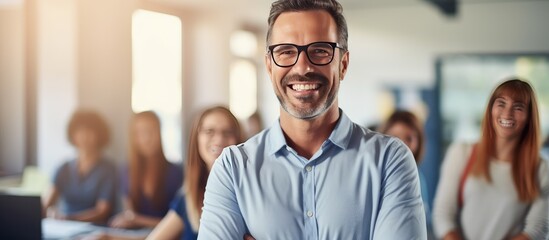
[(490, 210)]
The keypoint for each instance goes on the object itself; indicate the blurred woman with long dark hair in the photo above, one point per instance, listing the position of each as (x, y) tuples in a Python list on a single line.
[(149, 182)]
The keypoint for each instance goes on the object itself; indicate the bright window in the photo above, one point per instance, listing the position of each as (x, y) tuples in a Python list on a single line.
[(243, 89), (243, 74), (243, 44), (156, 64)]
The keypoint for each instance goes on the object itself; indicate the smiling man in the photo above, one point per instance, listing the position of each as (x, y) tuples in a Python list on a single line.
[(315, 174)]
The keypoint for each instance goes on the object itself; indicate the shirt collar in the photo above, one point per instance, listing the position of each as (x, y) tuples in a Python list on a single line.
[(340, 136), (276, 138)]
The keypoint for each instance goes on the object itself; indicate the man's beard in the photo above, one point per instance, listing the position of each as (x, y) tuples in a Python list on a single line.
[(307, 113)]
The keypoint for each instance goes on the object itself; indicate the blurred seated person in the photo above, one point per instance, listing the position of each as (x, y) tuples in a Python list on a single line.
[(408, 128), (84, 186), (215, 129), (149, 181)]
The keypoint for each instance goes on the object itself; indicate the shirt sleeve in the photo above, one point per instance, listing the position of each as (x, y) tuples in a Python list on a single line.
[(537, 219), (445, 207), (401, 211), (221, 217)]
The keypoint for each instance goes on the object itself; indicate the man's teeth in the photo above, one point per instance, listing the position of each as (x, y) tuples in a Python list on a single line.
[(304, 87), (506, 123)]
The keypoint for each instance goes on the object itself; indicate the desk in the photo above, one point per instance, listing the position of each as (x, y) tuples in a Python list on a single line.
[(53, 229)]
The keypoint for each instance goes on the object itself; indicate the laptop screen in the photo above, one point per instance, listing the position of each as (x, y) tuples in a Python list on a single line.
[(20, 216)]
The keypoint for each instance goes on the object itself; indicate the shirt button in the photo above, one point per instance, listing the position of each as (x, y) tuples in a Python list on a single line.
[(309, 168), (309, 213)]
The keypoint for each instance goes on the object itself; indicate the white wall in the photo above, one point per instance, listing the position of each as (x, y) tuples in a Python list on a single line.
[(56, 80), (12, 88), (398, 45), (104, 65), (209, 63)]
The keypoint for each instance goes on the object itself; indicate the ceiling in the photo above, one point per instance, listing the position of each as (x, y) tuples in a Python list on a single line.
[(258, 9), (252, 4)]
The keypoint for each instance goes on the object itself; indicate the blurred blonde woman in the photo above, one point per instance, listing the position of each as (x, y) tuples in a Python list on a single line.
[(215, 129), (149, 182), (497, 188)]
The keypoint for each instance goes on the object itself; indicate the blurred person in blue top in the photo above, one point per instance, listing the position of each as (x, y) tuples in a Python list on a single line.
[(214, 129), (314, 174), (85, 185), (408, 128), (149, 182)]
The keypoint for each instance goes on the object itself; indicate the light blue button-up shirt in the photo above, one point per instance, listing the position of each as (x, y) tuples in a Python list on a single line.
[(358, 185)]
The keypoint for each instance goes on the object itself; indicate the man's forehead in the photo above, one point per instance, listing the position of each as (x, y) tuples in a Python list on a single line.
[(303, 25)]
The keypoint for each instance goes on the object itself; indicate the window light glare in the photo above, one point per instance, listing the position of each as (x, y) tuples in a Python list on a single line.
[(243, 89), (243, 44)]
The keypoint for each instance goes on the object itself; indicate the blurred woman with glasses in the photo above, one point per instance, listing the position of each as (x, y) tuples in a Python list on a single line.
[(215, 129)]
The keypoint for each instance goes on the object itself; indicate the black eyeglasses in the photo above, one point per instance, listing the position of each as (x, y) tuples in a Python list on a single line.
[(318, 53)]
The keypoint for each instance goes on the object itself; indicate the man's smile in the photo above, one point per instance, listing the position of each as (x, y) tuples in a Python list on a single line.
[(304, 86)]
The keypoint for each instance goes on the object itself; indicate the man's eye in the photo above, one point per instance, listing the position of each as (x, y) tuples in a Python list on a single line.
[(320, 51), (286, 52)]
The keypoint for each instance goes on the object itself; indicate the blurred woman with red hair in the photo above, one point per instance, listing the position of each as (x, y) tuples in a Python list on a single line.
[(499, 187)]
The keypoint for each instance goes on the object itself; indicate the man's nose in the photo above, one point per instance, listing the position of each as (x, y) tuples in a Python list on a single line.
[(303, 65)]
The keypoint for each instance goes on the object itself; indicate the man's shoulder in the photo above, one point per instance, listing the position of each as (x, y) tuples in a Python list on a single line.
[(365, 136), (257, 144), (256, 141), (377, 148)]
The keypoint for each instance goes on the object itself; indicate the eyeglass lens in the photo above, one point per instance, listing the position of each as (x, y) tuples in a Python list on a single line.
[(318, 53)]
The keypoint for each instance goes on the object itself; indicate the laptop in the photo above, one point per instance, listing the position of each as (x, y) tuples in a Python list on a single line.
[(20, 216)]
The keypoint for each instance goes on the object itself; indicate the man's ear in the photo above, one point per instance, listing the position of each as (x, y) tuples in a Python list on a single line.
[(344, 63), (268, 63)]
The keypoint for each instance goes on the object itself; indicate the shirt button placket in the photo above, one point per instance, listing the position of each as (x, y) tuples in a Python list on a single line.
[(309, 205)]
